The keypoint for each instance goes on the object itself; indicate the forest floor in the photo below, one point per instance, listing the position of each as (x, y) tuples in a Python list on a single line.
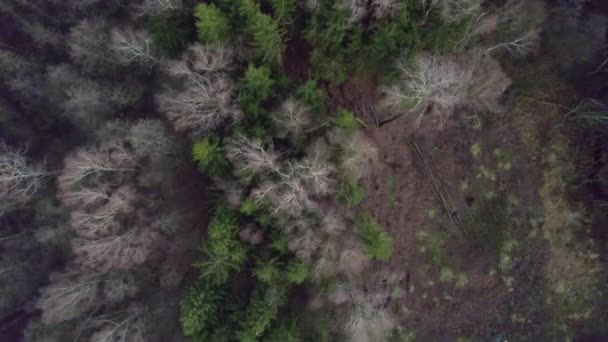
[(474, 208)]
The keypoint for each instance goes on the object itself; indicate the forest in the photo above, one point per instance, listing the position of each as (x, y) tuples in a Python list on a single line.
[(303, 170)]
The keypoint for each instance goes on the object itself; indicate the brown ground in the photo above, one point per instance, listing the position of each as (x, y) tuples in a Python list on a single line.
[(400, 197)]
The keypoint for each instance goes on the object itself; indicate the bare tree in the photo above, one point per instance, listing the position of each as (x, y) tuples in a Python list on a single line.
[(69, 295), (150, 138), (81, 4), (42, 35), (133, 46), (118, 252), (204, 60), (488, 85), (103, 220), (233, 191), (519, 45), (292, 119), (358, 154), (317, 175), (353, 259), (304, 243), (453, 10), (332, 223), (202, 106), (88, 42), (368, 318), (86, 103), (85, 197), (157, 7), (325, 262), (386, 8), (356, 9), (118, 286), (126, 325), (431, 83), (289, 195), (112, 159), (311, 5), (19, 182), (250, 157), (207, 98), (292, 198)]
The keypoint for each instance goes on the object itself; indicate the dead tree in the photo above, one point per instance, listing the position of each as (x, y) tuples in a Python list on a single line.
[(70, 295), (157, 7), (133, 47), (292, 119), (89, 47), (250, 157), (19, 182), (431, 83), (207, 97), (106, 162), (124, 325), (117, 252)]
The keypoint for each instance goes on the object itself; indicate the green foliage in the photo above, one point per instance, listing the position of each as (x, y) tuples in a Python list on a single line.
[(346, 119), (209, 156), (216, 269), (444, 37), (394, 36), (267, 271), (313, 96), (199, 309), (257, 86), (297, 272), (249, 207), (328, 28), (259, 212), (225, 253), (212, 25), (264, 31), (261, 312), (284, 10), (378, 243), (337, 42), (327, 67), (279, 243), (170, 34), (223, 236), (286, 332), (351, 193)]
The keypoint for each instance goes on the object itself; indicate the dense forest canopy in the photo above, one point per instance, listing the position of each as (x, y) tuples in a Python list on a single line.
[(303, 170)]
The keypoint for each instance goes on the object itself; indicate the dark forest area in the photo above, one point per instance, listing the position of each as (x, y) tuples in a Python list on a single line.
[(303, 170)]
